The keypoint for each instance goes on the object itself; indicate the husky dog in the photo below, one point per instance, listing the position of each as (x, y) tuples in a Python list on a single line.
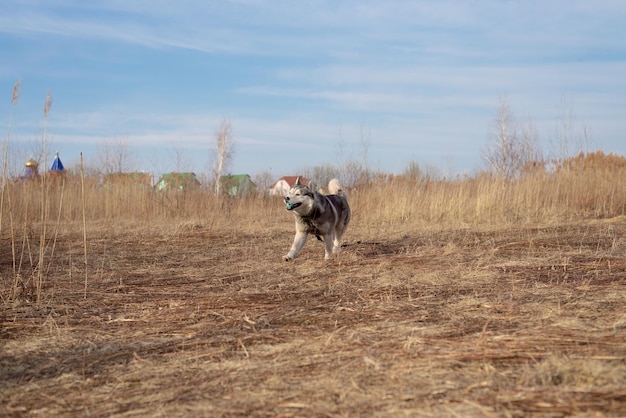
[(325, 216)]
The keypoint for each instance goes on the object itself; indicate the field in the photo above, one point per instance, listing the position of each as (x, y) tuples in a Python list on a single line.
[(419, 315)]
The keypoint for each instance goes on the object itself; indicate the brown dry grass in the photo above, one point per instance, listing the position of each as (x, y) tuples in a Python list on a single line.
[(424, 313)]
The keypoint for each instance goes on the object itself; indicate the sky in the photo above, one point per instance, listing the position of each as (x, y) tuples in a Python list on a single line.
[(312, 82)]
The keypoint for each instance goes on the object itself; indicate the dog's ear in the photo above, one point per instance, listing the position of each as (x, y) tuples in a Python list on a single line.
[(298, 181)]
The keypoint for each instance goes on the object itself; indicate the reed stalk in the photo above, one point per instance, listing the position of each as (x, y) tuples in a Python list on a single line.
[(5, 184), (82, 193), (57, 225), (44, 204)]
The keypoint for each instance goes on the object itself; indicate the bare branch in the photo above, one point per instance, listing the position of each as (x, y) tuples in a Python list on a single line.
[(114, 156)]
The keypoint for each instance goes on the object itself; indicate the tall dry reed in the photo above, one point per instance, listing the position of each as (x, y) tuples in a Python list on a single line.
[(5, 182), (591, 188), (473, 201), (484, 200), (44, 204), (84, 219)]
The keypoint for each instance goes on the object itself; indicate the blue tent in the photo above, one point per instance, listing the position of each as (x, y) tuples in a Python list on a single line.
[(57, 165)]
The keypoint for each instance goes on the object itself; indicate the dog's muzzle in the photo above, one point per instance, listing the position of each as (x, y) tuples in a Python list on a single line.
[(289, 205)]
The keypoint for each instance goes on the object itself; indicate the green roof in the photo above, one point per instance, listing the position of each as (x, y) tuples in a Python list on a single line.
[(236, 184), (177, 181)]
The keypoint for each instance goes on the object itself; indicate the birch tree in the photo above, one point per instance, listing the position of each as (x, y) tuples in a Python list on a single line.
[(224, 149), (500, 154), (511, 148)]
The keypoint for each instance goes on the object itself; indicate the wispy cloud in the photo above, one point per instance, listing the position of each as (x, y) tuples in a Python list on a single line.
[(291, 74), (420, 31)]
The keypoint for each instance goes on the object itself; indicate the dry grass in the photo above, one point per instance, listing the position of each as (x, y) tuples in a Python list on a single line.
[(430, 310), (467, 297)]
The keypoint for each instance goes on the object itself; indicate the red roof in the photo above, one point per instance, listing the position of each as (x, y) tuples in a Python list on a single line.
[(291, 180)]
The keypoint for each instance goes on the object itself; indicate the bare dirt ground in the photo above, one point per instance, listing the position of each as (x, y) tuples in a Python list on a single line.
[(205, 321)]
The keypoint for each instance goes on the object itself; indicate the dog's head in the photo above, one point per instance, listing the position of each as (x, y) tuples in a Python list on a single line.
[(299, 199)]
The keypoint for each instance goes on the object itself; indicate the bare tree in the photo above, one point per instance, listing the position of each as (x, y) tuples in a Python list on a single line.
[(350, 169), (569, 139), (531, 155), (181, 162), (21, 151), (321, 174), (366, 141), (114, 156), (511, 148), (263, 181), (224, 149), (500, 154)]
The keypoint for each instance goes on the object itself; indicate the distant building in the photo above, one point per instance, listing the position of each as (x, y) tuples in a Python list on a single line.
[(177, 181), (236, 185), (31, 170), (57, 169), (282, 186)]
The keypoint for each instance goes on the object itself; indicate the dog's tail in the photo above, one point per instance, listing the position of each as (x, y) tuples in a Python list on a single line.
[(335, 187)]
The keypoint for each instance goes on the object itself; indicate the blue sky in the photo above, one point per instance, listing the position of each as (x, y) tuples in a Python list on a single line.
[(301, 80)]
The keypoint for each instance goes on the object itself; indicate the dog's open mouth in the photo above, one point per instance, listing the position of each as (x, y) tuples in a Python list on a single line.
[(291, 206)]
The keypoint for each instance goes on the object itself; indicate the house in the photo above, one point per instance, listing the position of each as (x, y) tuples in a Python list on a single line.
[(177, 181), (282, 186), (31, 170), (236, 185), (57, 169)]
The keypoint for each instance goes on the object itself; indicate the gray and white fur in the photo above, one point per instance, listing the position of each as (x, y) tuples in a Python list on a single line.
[(325, 216)]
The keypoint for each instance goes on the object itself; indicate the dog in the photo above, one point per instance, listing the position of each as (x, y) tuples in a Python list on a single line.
[(324, 215)]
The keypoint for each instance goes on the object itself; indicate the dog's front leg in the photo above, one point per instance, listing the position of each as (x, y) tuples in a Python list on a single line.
[(298, 242)]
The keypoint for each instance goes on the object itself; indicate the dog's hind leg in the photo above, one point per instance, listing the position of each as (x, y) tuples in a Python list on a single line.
[(329, 242), (336, 244), (298, 242), (340, 228), (337, 238)]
